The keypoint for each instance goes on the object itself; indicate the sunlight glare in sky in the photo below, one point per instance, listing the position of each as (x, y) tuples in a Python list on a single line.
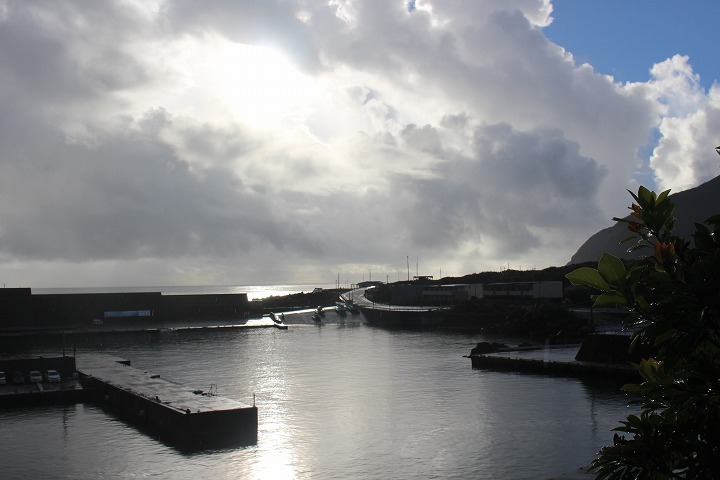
[(257, 85)]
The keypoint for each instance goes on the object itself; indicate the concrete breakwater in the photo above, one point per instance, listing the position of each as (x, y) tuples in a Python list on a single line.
[(22, 311), (553, 363), (600, 356), (403, 317)]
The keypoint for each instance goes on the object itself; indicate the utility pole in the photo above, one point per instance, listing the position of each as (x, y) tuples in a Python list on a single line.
[(408, 265)]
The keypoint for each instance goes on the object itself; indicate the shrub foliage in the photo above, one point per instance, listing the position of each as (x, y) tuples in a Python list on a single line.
[(673, 299)]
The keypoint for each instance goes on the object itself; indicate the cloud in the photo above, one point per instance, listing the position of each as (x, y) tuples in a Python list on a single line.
[(173, 142), (501, 198), (684, 156), (275, 23)]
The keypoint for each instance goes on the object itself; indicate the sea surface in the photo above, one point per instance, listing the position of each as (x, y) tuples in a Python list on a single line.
[(340, 400)]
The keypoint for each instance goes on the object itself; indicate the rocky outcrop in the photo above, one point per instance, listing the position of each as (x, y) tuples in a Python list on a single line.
[(487, 347)]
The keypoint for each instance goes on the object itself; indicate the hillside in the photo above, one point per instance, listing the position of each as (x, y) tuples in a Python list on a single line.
[(691, 206), (546, 274)]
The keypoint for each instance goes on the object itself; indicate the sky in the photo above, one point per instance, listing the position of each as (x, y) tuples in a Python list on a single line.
[(227, 142)]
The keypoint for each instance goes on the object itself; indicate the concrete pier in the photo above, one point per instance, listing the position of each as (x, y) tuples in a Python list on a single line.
[(185, 418)]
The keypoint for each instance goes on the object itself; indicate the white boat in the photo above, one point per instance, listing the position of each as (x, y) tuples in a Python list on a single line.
[(340, 307), (277, 320)]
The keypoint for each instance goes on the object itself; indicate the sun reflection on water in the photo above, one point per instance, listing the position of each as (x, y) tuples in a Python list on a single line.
[(277, 456)]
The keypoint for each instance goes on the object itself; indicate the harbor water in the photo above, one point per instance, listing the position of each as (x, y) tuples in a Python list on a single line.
[(340, 400)]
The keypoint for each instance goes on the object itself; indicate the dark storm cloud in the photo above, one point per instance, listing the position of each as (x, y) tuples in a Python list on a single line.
[(71, 52), (510, 184), (130, 197)]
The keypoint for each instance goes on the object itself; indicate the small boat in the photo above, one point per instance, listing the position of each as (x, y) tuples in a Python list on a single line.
[(351, 306), (340, 308), (278, 322)]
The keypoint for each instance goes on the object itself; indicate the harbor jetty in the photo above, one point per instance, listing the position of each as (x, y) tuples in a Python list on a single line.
[(94, 315), (600, 356), (187, 418)]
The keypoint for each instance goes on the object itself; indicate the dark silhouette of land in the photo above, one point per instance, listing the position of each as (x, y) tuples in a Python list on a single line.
[(691, 206)]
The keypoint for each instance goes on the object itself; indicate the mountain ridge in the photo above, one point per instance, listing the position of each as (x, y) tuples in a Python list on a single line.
[(691, 206)]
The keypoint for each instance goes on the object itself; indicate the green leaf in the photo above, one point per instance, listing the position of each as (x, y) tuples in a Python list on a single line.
[(613, 299), (612, 269), (645, 197), (648, 369), (631, 388), (641, 302), (664, 337), (635, 197), (627, 239), (703, 237), (661, 198), (588, 277), (713, 220), (637, 246)]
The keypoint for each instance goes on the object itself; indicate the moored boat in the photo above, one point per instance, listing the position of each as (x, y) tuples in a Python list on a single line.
[(279, 321), (340, 308), (351, 306)]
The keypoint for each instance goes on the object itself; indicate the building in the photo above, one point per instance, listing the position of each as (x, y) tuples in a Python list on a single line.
[(537, 290), (419, 293)]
